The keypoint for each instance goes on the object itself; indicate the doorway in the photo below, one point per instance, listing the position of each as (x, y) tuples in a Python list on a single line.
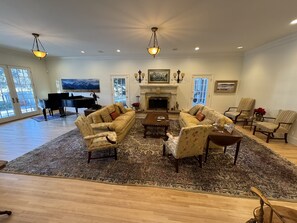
[(201, 89), (17, 95), (120, 88)]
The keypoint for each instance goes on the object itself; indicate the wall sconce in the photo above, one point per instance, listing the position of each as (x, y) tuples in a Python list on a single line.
[(37, 48), (177, 78), (139, 76)]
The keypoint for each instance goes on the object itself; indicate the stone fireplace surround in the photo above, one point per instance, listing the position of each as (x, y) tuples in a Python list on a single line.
[(147, 91)]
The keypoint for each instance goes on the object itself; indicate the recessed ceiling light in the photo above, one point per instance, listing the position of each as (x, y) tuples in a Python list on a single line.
[(118, 50), (197, 48), (82, 51), (239, 47), (100, 51), (293, 22)]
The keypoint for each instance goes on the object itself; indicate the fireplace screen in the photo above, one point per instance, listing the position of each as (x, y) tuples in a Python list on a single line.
[(158, 103)]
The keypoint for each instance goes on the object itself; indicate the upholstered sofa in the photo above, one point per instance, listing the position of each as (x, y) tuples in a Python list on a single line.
[(189, 118), (113, 117)]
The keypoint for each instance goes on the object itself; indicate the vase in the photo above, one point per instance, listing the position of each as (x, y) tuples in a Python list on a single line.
[(259, 117)]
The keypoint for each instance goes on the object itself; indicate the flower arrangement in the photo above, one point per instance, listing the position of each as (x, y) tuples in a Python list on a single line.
[(260, 111), (136, 104)]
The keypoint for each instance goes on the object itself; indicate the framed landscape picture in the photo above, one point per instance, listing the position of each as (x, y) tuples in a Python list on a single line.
[(80, 85), (159, 76), (225, 86)]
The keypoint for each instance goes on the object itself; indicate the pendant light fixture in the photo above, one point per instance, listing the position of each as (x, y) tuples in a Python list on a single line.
[(153, 46), (37, 48)]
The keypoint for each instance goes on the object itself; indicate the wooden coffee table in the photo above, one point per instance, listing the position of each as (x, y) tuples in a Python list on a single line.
[(154, 122), (224, 138)]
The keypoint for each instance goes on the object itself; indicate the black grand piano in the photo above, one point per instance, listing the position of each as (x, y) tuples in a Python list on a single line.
[(59, 101)]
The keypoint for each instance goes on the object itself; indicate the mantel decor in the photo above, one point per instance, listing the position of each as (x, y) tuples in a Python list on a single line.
[(225, 86), (158, 76)]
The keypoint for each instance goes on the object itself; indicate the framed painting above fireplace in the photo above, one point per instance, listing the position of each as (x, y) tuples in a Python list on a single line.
[(158, 76)]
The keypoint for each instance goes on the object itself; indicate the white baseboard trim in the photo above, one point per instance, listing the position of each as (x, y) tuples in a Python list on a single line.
[(292, 140)]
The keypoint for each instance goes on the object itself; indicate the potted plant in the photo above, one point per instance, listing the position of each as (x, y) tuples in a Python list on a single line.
[(259, 112), (136, 105)]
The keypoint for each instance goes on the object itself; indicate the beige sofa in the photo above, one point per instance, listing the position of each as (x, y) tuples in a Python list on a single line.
[(188, 118), (113, 117)]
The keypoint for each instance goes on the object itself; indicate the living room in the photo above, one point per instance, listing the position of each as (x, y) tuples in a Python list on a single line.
[(265, 67)]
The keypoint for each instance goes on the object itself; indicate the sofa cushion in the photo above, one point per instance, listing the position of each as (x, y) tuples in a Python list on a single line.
[(121, 107), (200, 116), (117, 109), (96, 117), (194, 110), (105, 115), (110, 108)]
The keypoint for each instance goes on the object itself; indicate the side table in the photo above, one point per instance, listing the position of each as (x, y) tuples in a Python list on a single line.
[(224, 138)]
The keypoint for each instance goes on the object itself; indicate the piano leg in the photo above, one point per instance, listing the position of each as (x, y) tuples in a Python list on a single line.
[(44, 114), (62, 112), (76, 109)]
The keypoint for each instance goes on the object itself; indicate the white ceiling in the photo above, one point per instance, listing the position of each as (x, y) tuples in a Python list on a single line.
[(216, 26)]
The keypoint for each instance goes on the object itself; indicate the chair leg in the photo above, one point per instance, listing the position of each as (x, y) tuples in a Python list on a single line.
[(164, 150), (254, 130), (115, 154), (176, 165), (200, 157), (268, 137), (89, 156), (286, 137)]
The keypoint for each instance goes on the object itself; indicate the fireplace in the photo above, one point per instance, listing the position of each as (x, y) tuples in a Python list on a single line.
[(158, 103), (158, 96)]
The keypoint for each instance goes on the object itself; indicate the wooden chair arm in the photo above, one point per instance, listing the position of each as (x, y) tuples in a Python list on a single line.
[(229, 109), (281, 123)]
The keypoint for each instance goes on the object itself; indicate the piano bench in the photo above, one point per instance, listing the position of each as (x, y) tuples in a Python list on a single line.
[(89, 111)]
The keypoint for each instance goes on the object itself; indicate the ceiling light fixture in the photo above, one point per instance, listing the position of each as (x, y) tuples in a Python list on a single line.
[(37, 48), (197, 48), (153, 46), (118, 50), (82, 51), (239, 47), (293, 22)]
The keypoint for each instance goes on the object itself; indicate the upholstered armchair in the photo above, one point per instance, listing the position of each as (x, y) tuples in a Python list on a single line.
[(268, 213), (276, 128), (94, 142), (243, 111), (189, 143)]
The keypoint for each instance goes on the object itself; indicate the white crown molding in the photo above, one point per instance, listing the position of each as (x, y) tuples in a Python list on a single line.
[(273, 44)]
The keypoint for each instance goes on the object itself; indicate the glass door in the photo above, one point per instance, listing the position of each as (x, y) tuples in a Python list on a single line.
[(7, 110), (120, 89), (17, 97), (200, 92)]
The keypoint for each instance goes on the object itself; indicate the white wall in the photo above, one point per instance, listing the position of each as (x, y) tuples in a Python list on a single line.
[(37, 67), (221, 67), (270, 75)]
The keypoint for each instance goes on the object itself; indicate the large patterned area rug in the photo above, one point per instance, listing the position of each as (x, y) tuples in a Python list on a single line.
[(140, 162)]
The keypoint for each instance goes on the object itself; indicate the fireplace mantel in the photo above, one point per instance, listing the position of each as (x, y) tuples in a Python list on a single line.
[(157, 90)]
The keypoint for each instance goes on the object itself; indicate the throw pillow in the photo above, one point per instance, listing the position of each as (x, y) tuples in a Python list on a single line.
[(117, 109), (200, 116), (121, 107), (193, 110), (114, 115)]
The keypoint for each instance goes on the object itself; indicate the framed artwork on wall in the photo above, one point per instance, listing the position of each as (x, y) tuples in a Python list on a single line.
[(225, 86), (80, 85), (158, 76)]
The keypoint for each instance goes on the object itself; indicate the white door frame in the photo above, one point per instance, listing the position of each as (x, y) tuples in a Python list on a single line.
[(210, 88), (127, 87)]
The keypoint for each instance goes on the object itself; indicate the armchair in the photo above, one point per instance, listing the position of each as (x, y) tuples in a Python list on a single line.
[(243, 111), (276, 126), (268, 213), (190, 142), (94, 142)]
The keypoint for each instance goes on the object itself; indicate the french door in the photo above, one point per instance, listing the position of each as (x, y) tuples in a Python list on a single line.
[(17, 96), (120, 86), (201, 89)]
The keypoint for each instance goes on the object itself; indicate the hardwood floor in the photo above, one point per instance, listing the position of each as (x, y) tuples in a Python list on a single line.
[(46, 199)]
